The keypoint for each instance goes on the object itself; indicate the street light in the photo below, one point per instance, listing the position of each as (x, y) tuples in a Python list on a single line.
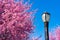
[(45, 18)]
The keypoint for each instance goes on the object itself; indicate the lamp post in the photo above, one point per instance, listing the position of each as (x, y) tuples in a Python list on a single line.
[(45, 18)]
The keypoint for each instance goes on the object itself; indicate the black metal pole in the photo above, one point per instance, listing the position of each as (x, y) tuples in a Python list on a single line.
[(46, 31)]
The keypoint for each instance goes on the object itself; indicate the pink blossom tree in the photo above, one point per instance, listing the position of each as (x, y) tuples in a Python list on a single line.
[(56, 34), (15, 20)]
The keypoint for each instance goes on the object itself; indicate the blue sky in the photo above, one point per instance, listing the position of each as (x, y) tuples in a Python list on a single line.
[(51, 6)]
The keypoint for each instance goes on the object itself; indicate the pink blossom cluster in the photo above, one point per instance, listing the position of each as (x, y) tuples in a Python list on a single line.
[(56, 34), (15, 20)]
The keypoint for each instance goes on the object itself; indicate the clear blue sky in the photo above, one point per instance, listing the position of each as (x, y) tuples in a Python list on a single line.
[(51, 6)]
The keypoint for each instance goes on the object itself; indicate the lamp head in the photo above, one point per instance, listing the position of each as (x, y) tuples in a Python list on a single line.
[(45, 17)]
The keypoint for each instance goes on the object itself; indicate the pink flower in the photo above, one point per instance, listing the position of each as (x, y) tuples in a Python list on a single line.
[(15, 20), (56, 35)]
